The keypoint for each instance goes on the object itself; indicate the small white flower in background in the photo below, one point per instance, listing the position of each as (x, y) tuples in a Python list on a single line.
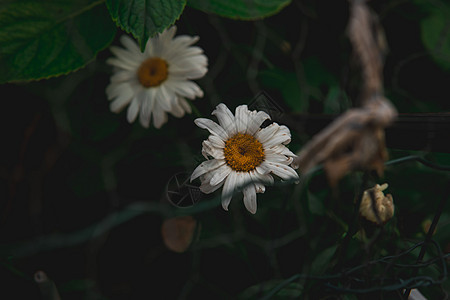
[(157, 81), (241, 155)]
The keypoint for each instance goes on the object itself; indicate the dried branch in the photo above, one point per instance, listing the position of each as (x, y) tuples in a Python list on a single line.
[(356, 140)]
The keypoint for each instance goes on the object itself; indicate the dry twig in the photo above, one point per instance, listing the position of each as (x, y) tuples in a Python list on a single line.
[(355, 140)]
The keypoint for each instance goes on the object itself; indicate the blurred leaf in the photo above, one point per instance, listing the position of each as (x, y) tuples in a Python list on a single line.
[(318, 84), (145, 18), (8, 264), (87, 180), (317, 74), (335, 101), (442, 233), (45, 38), (435, 36), (291, 290), (322, 85), (287, 83), (315, 204), (438, 158), (322, 260), (240, 9), (77, 285), (105, 126)]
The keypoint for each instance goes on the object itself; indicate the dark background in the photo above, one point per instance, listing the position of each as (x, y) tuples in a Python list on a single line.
[(67, 163)]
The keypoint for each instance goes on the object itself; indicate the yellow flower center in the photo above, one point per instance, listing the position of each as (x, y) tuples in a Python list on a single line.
[(243, 153), (152, 72)]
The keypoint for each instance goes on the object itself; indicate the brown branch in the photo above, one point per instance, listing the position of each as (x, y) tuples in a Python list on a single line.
[(356, 140)]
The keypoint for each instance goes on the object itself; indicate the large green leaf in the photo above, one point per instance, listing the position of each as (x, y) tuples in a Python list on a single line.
[(240, 9), (145, 18), (45, 38)]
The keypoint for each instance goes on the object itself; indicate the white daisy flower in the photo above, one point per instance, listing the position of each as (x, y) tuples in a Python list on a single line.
[(242, 156), (158, 80)]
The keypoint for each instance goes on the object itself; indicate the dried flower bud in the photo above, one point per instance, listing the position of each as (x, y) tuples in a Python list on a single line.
[(178, 232), (375, 206)]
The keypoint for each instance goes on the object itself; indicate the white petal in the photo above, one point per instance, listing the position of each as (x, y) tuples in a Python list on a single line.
[(267, 179), (120, 64), (177, 46), (187, 108), (119, 104), (127, 57), (278, 158), (193, 69), (115, 89), (122, 76), (159, 116), (168, 34), (212, 127), (186, 89), (279, 149), (187, 53), (133, 109), (207, 188), (177, 108), (186, 63), (243, 179), (228, 189), (226, 118), (220, 174), (258, 181), (284, 172), (216, 142), (209, 149), (122, 99), (206, 166), (241, 116), (250, 198), (184, 41), (130, 44), (266, 133), (154, 47), (147, 107), (172, 95), (280, 137), (197, 73), (263, 169), (285, 130), (164, 97), (255, 121)]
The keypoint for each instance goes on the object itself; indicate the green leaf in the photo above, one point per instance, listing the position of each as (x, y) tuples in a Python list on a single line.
[(145, 18), (315, 204), (240, 9), (317, 83), (287, 83), (436, 38), (45, 38), (77, 285), (322, 261), (289, 290)]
